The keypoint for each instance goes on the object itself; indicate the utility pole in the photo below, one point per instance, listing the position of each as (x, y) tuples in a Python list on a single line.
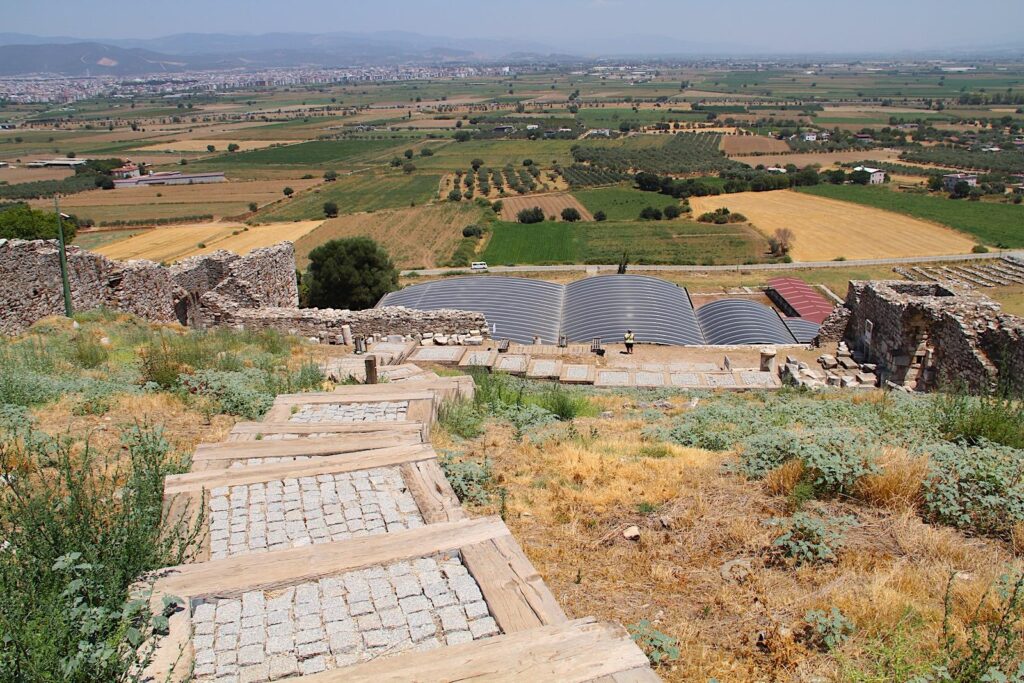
[(68, 311)]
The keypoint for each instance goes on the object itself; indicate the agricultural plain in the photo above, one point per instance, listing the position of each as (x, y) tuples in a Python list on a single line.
[(827, 229), (174, 243), (419, 237), (551, 204)]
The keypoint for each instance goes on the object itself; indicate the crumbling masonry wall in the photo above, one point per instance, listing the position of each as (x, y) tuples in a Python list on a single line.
[(325, 324), (928, 335), (31, 286)]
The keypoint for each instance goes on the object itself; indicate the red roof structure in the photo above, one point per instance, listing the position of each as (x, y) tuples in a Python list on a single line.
[(799, 299)]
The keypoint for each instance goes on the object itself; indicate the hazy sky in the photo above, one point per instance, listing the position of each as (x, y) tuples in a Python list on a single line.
[(773, 25)]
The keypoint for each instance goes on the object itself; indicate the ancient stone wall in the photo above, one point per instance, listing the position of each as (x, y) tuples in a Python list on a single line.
[(929, 335), (30, 284), (325, 324)]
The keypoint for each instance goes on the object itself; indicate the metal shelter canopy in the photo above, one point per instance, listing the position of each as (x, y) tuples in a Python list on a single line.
[(729, 322), (520, 308), (605, 306)]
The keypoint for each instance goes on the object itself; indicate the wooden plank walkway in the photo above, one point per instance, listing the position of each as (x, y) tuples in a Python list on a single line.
[(336, 550)]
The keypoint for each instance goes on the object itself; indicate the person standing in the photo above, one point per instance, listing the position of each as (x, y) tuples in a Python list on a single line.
[(630, 339)]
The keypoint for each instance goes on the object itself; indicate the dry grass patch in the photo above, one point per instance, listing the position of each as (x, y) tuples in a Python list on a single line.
[(698, 570), (826, 229), (417, 237)]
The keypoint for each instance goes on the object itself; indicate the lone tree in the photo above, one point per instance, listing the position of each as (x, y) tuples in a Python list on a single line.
[(288, 192), (330, 176), (233, 147), (672, 211), (351, 273), (330, 209), (408, 154), (781, 241), (570, 214), (476, 164), (211, 148), (534, 215)]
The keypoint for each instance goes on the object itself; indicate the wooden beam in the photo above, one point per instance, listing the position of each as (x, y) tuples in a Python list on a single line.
[(233, 576), (514, 591), (330, 464), (303, 428), (432, 492), (290, 448), (387, 393), (571, 652)]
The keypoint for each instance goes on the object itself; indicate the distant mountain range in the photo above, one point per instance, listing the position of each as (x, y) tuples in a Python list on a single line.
[(22, 53)]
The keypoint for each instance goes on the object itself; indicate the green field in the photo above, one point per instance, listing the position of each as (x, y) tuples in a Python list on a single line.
[(621, 203), (357, 192), (676, 242), (993, 224), (495, 154), (313, 153)]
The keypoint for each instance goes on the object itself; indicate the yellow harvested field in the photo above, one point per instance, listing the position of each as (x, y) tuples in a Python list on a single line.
[(751, 144), (418, 237), (826, 229), (552, 204), (186, 145), (20, 174), (180, 241), (825, 159)]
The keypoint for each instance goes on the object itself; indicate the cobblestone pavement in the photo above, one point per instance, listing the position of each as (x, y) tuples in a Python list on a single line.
[(266, 461), (386, 411), (296, 512), (338, 621)]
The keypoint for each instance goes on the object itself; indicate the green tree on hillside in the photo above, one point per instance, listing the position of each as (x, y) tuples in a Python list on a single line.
[(330, 209), (288, 192), (351, 273), (570, 215), (330, 176), (19, 221), (233, 147), (408, 154)]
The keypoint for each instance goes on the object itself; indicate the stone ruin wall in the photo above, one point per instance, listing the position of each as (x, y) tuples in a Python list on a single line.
[(969, 338), (30, 284), (255, 291), (325, 324)]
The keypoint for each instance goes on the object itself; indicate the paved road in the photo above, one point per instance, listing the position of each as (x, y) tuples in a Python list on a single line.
[(594, 269)]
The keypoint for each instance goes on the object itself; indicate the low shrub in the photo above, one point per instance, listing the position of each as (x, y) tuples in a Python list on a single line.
[(461, 419), (977, 488), (808, 539), (470, 479), (827, 631), (659, 647)]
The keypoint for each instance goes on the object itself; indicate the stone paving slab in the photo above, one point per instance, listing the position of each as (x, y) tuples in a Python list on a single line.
[(289, 513), (612, 378), (544, 368), (515, 364), (478, 358), (578, 374), (719, 380), (338, 621), (648, 378), (684, 379), (383, 411), (438, 354), (755, 378)]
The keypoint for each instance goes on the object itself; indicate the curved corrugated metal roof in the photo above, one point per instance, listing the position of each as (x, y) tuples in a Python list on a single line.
[(739, 321), (657, 311), (803, 330), (520, 308)]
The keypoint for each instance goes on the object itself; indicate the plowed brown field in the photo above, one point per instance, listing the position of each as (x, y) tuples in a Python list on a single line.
[(552, 204)]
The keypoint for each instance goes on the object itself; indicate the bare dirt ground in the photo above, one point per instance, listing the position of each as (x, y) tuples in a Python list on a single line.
[(750, 144), (827, 229), (552, 204)]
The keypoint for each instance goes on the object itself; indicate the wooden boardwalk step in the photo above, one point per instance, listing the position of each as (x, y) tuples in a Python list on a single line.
[(570, 652)]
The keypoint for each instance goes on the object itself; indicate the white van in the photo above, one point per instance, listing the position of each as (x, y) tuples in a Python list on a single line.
[(478, 265)]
